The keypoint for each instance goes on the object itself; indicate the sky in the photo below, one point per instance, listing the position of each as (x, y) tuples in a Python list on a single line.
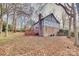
[(46, 10)]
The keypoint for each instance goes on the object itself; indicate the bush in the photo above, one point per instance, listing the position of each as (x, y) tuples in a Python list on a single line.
[(62, 32), (72, 34), (20, 30), (65, 33), (4, 27)]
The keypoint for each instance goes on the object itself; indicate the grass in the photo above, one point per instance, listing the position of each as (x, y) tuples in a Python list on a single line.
[(4, 40)]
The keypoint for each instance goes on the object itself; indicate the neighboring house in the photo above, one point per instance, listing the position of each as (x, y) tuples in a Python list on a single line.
[(47, 26)]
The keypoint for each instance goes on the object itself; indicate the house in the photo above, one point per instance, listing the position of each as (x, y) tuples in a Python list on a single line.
[(47, 26)]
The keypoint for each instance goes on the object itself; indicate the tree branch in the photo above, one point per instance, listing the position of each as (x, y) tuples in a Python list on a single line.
[(65, 8)]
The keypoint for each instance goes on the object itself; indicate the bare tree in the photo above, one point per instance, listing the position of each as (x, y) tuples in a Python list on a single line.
[(14, 19), (69, 32), (74, 15), (63, 20), (6, 31), (75, 18), (1, 20), (70, 23)]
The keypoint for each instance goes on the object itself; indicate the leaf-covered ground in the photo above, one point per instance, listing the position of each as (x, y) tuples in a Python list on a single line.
[(18, 44)]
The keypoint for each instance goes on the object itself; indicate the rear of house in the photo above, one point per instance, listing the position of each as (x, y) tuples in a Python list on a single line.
[(47, 26)]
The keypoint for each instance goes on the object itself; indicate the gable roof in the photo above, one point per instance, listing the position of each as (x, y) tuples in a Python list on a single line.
[(46, 17)]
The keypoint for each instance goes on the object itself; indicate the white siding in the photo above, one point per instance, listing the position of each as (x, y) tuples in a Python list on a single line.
[(51, 22)]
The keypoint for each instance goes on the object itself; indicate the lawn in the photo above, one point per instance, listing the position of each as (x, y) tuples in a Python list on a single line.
[(5, 40), (18, 44)]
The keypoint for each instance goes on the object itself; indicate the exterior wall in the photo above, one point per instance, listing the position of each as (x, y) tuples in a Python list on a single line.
[(50, 21), (50, 26), (47, 31), (36, 28)]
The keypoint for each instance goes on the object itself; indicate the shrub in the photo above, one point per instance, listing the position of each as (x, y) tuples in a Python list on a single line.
[(4, 27), (62, 32), (65, 33)]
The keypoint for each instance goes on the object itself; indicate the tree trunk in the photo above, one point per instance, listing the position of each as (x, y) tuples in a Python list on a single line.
[(21, 24), (69, 32), (75, 24), (1, 22), (14, 23), (6, 31), (1, 26), (14, 20), (63, 22)]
